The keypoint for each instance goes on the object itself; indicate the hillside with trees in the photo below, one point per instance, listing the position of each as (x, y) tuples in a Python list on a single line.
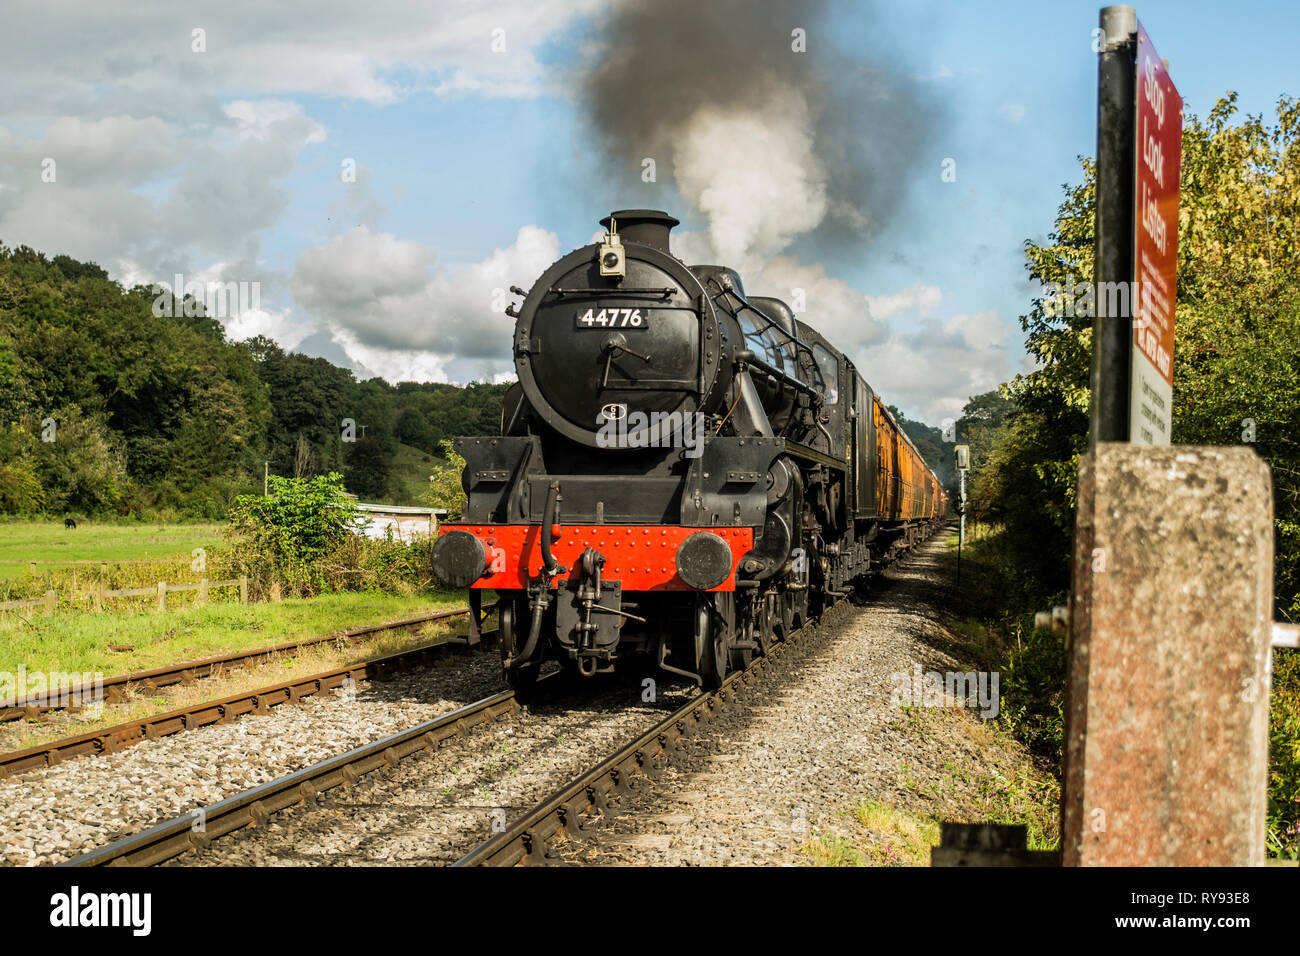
[(108, 409)]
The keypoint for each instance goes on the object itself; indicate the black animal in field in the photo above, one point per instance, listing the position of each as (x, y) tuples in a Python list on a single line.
[(69, 523)]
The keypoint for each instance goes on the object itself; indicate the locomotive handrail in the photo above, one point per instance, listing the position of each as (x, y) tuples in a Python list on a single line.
[(613, 290), (800, 347), (776, 373)]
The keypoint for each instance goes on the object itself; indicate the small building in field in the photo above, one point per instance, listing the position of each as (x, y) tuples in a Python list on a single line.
[(408, 524)]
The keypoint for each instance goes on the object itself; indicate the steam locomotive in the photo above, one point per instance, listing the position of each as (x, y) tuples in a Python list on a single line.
[(684, 472)]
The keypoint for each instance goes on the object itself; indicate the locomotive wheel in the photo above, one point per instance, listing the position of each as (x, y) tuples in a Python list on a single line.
[(784, 617), (764, 632), (741, 656), (716, 649), (513, 627)]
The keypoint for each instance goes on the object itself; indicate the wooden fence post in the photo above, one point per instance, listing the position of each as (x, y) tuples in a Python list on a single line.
[(203, 590), (50, 600), (243, 589), (162, 595), (32, 566), (99, 596)]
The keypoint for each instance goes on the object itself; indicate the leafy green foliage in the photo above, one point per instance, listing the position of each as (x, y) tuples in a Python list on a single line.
[(303, 537), (445, 490), (21, 491), (1284, 757), (280, 536), (165, 417), (369, 468)]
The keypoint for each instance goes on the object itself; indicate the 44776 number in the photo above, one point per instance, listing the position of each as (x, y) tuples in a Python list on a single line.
[(612, 319)]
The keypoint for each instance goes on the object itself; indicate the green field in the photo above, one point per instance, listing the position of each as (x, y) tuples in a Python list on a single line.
[(81, 642), (50, 544)]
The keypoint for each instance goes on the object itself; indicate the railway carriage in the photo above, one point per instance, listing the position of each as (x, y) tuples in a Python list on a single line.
[(685, 473)]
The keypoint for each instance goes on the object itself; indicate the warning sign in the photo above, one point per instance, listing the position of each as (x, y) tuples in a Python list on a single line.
[(1159, 130)]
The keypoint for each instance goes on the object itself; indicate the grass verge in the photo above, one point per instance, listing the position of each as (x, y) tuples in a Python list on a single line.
[(71, 641), (49, 543)]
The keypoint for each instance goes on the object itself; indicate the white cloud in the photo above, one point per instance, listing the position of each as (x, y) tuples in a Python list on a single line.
[(225, 185), (274, 324), (171, 160), (384, 295), (139, 59), (1013, 112), (833, 307), (933, 367), (257, 119), (918, 296), (394, 365), (980, 330)]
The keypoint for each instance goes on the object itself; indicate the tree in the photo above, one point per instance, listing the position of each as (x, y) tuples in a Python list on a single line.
[(1234, 358), (369, 468)]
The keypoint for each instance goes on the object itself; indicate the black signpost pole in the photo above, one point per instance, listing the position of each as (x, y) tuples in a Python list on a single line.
[(1113, 236)]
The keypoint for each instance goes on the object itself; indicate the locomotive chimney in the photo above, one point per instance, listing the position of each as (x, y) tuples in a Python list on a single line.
[(649, 227)]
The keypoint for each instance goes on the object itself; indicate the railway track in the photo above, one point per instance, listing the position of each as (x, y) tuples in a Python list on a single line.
[(114, 688), (197, 829), (205, 713), (523, 840), (560, 815)]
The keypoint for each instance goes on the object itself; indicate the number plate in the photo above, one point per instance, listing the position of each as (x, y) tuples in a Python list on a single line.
[(612, 319)]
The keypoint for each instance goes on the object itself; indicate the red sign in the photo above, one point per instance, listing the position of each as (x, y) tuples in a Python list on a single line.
[(1155, 249)]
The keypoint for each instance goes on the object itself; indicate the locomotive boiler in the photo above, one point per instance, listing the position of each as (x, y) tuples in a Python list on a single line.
[(685, 473)]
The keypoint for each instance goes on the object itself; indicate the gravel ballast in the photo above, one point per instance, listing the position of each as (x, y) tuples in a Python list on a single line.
[(51, 815), (772, 782)]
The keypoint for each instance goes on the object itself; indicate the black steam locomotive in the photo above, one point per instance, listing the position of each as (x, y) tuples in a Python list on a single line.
[(683, 471)]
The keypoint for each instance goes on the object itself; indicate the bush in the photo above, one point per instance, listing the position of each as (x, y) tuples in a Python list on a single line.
[(1033, 691), (304, 537), (1284, 757), (281, 536), (445, 489)]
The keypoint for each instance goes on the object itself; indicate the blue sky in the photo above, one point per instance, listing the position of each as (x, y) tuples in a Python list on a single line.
[(476, 169)]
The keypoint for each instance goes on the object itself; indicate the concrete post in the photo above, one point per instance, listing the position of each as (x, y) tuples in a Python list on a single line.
[(1166, 746)]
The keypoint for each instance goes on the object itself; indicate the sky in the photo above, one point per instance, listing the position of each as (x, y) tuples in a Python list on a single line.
[(378, 172)]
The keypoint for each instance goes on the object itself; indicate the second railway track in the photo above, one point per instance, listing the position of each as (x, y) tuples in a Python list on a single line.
[(115, 688)]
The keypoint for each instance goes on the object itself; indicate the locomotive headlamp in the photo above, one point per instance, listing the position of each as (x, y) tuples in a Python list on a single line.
[(610, 257)]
